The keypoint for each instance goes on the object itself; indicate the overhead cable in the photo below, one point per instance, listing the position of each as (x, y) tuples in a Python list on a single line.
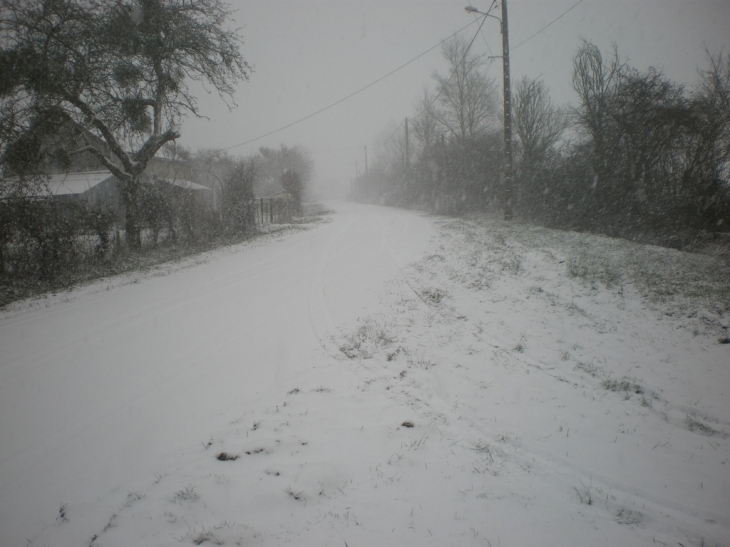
[(546, 26), (463, 58), (351, 94)]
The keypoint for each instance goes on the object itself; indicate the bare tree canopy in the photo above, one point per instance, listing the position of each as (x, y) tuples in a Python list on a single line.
[(538, 124), (426, 129), (466, 97), (115, 71), (277, 161), (714, 96), (644, 157)]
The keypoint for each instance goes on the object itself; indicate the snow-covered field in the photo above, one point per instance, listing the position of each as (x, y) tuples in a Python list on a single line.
[(385, 378)]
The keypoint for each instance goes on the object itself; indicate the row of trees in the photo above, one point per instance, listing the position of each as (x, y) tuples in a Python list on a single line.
[(637, 154), (452, 161), (287, 169), (658, 155)]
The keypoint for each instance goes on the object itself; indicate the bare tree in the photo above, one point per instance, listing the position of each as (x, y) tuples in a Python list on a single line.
[(277, 161), (116, 71), (538, 123), (596, 81), (425, 125), (238, 194), (390, 146), (651, 116), (292, 184), (658, 157), (466, 96), (705, 165), (714, 91)]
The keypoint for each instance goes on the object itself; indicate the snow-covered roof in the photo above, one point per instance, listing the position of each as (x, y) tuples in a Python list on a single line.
[(187, 184), (64, 184)]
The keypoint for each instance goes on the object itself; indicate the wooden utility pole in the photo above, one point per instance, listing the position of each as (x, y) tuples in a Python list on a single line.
[(366, 160), (508, 182)]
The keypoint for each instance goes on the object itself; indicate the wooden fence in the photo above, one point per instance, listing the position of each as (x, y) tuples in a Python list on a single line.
[(272, 210)]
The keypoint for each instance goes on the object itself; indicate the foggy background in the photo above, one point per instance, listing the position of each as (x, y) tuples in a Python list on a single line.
[(310, 54)]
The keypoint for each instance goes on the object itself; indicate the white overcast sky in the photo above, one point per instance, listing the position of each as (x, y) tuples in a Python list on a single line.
[(309, 54)]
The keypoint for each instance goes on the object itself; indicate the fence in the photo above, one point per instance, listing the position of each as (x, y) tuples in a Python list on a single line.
[(272, 210)]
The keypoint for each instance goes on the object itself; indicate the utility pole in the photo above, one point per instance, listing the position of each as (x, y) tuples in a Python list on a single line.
[(508, 189), (508, 183), (366, 160)]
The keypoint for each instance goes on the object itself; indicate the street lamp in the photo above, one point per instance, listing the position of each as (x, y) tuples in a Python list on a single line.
[(507, 107)]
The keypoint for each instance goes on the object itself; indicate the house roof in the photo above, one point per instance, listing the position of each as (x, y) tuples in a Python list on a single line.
[(187, 184), (64, 184)]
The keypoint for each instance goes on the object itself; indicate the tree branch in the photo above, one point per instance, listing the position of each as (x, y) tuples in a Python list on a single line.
[(116, 171), (152, 145), (109, 138)]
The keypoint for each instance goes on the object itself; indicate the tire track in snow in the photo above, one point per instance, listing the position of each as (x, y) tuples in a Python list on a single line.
[(320, 318), (404, 278)]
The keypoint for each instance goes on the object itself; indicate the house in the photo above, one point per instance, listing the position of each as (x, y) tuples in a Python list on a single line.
[(96, 188), (85, 177), (100, 189)]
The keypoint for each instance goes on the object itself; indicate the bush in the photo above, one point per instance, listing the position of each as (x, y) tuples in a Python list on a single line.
[(44, 239)]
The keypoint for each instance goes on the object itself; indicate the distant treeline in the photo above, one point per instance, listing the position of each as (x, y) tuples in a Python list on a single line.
[(638, 156)]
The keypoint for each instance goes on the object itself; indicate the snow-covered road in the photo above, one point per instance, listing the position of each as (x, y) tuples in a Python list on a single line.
[(382, 378), (105, 386)]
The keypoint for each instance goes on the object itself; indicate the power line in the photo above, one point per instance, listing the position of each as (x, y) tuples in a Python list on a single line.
[(546, 26), (331, 105), (351, 94), (457, 66), (397, 129), (484, 37), (479, 30)]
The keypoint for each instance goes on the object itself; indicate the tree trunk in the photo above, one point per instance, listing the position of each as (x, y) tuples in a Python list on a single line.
[(131, 206)]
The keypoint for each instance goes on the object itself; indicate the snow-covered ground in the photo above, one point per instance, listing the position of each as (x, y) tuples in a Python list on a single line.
[(385, 378)]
